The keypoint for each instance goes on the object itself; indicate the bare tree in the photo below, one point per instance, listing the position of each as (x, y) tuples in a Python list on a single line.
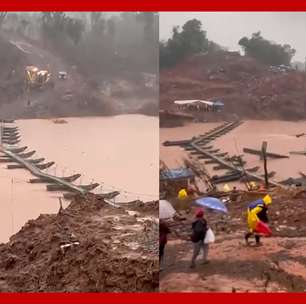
[(2, 18)]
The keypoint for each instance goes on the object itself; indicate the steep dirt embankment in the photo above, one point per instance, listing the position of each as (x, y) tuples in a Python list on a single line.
[(248, 88), (11, 72), (117, 250), (78, 95), (278, 265)]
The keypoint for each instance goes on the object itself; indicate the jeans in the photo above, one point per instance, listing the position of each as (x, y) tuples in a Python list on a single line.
[(196, 250)]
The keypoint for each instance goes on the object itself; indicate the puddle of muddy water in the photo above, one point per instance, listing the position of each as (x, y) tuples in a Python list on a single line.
[(109, 151)]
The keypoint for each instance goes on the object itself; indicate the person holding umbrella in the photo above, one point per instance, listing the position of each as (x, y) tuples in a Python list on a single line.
[(166, 211), (199, 229)]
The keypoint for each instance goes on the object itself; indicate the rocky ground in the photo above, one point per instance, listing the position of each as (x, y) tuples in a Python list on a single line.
[(278, 265), (115, 249)]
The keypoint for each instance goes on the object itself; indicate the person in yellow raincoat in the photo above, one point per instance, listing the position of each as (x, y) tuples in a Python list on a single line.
[(257, 211), (182, 194)]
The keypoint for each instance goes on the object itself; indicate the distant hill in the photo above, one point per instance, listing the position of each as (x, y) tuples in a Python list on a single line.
[(248, 88)]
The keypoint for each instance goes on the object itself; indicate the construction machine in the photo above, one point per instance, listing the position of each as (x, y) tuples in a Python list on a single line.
[(36, 78)]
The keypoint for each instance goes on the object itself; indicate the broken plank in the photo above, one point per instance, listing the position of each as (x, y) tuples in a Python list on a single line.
[(213, 151), (222, 154), (254, 169), (220, 167), (259, 153), (298, 152), (211, 161)]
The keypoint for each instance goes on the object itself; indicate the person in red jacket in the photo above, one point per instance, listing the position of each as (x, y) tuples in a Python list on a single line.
[(163, 238)]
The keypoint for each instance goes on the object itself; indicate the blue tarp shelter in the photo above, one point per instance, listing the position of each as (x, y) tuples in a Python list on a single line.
[(176, 174)]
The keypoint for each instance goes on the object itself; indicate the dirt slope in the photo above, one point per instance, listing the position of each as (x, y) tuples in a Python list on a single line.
[(248, 88), (78, 95), (278, 265), (117, 250)]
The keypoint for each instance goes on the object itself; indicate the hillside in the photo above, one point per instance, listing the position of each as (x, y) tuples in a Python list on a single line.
[(248, 89), (78, 95), (83, 249)]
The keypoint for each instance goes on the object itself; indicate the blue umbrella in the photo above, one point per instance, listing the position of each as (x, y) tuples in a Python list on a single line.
[(212, 203)]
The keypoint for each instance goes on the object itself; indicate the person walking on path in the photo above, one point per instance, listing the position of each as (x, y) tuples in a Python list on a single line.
[(199, 229), (257, 211)]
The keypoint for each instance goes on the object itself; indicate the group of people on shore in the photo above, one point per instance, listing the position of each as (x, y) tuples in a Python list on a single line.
[(257, 213)]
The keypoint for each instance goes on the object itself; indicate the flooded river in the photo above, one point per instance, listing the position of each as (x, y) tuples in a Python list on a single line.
[(120, 153), (280, 136)]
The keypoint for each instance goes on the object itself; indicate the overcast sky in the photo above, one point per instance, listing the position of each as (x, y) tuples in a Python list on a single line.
[(226, 28)]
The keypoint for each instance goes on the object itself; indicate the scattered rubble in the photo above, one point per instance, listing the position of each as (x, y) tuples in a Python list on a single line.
[(87, 247)]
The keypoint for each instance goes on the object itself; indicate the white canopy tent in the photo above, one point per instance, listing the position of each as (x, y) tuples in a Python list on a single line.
[(193, 101)]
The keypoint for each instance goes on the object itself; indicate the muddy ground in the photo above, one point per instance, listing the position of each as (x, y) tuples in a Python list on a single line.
[(279, 265), (117, 250), (75, 96)]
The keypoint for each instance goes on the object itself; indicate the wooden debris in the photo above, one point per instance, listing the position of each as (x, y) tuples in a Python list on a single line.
[(259, 153)]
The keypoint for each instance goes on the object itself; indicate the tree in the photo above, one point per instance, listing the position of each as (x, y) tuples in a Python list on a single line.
[(53, 24), (97, 23), (75, 29), (266, 51), (2, 18), (194, 39), (23, 26), (191, 40), (111, 28)]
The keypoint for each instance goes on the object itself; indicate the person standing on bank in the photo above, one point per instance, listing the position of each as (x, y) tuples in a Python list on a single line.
[(199, 229), (163, 238)]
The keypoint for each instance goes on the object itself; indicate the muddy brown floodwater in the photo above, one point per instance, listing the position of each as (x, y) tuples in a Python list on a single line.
[(120, 153), (280, 136)]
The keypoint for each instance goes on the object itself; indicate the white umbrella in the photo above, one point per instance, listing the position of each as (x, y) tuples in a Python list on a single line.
[(165, 210)]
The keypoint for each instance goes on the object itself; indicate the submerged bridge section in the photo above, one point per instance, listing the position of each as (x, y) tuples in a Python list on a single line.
[(11, 154), (197, 146)]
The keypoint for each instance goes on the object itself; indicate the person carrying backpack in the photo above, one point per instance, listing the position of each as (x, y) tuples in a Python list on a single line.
[(257, 211), (199, 229)]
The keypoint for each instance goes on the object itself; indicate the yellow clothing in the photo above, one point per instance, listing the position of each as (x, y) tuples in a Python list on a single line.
[(252, 217), (267, 199), (226, 188), (182, 194)]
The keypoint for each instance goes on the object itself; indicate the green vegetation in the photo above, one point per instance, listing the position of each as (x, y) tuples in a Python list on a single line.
[(100, 44), (266, 51), (190, 40)]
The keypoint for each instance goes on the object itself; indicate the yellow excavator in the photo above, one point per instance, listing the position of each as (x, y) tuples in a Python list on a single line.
[(36, 78)]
